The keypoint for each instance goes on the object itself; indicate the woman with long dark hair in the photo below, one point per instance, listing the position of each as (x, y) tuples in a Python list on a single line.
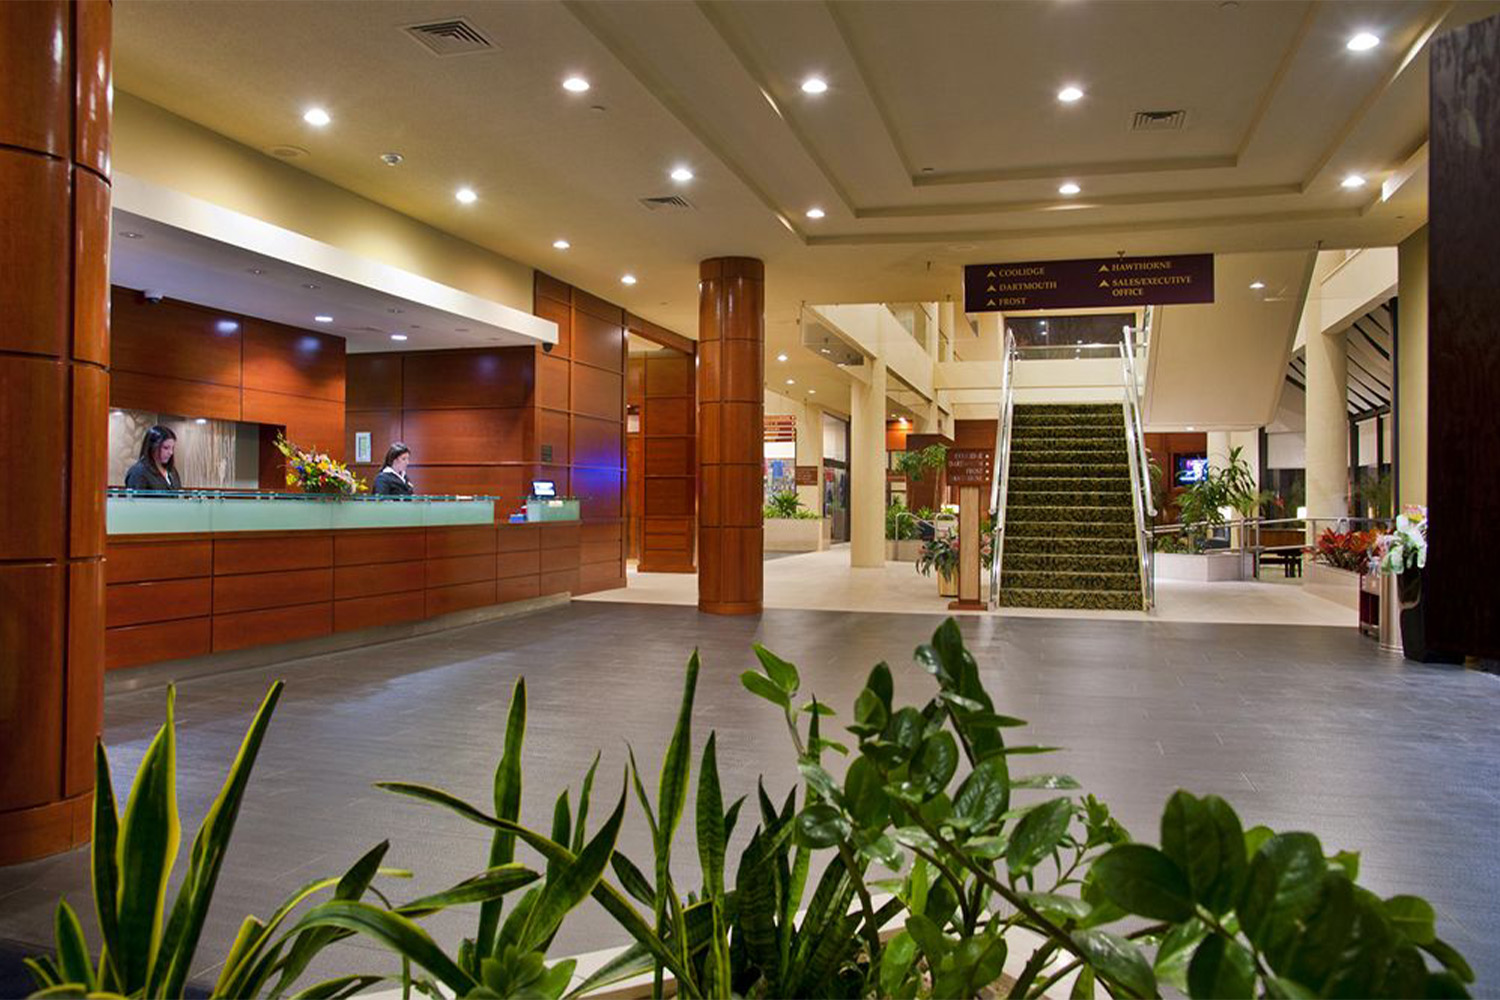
[(392, 481), (156, 469)]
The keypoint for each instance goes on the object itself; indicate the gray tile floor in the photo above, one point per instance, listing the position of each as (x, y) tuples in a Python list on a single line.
[(1301, 727)]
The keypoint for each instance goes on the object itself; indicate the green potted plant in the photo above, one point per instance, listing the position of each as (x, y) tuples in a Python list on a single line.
[(791, 527), (914, 464), (940, 554), (902, 528)]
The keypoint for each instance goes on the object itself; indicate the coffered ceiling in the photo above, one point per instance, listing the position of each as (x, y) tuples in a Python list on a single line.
[(939, 141)]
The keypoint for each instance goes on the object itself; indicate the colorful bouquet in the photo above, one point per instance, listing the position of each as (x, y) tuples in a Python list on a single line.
[(1351, 550), (1406, 547), (316, 472)]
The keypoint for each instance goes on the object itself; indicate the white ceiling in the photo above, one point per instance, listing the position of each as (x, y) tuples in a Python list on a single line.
[(194, 268), (1278, 110)]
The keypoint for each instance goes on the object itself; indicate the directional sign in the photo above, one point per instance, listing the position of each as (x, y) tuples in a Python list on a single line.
[(1083, 284)]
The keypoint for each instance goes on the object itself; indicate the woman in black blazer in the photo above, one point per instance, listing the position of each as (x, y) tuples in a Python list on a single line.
[(156, 468), (392, 481)]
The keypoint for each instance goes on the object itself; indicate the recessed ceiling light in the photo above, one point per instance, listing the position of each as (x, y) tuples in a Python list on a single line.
[(814, 213), (1257, 285), (131, 236), (681, 175), (466, 196), (1189, 426), (310, 286), (316, 117), (560, 244), (575, 84), (1069, 188), (1353, 181), (791, 381), (1070, 93), (627, 279), (391, 159), (781, 357), (398, 336), (814, 85), (812, 392), (256, 270), (1362, 42), (323, 319)]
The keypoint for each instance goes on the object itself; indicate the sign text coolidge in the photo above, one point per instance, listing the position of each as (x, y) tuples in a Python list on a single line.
[(1091, 283)]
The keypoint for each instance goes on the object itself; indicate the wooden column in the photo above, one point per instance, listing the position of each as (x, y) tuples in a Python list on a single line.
[(1461, 596), (54, 389), (731, 404), (968, 551)]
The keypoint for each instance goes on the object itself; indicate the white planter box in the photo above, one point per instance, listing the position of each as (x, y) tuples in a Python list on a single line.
[(1210, 567), (1338, 585), (906, 550), (788, 534)]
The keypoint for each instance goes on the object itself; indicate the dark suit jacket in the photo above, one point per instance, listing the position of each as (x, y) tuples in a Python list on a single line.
[(388, 484), (143, 476)]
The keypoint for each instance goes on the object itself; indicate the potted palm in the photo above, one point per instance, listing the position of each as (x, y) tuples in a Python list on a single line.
[(791, 527), (1205, 508)]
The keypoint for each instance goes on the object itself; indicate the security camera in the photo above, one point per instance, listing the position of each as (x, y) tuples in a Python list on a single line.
[(153, 295)]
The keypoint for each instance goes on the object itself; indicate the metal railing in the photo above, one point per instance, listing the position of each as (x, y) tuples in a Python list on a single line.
[(1000, 471), (1140, 474)]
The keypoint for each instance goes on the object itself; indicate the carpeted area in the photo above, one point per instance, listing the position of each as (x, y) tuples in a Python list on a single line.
[(1069, 531)]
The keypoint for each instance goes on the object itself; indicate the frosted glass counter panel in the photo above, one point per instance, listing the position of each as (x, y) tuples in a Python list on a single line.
[(172, 515)]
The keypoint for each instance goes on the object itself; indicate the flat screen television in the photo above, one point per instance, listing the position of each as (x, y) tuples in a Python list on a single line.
[(543, 488), (1190, 469)]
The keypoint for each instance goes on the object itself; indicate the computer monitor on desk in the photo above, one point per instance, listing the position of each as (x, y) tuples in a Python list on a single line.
[(543, 489)]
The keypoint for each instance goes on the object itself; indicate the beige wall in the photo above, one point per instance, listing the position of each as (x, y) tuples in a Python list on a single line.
[(156, 146), (1411, 368)]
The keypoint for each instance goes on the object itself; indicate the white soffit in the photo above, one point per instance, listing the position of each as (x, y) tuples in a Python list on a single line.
[(234, 229)]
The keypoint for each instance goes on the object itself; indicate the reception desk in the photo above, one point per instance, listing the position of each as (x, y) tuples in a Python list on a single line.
[(194, 574)]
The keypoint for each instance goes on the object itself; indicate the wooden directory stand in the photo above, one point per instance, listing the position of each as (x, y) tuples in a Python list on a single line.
[(969, 470)]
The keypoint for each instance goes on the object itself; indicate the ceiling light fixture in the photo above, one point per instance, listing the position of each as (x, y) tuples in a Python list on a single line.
[(316, 117), (781, 357), (1353, 182), (814, 213), (681, 175), (1362, 42), (323, 319), (391, 159), (310, 286), (814, 85), (575, 85), (791, 381), (561, 244), (131, 236), (1257, 285), (398, 336), (1189, 426), (466, 196), (1069, 188), (1070, 93), (256, 270), (812, 392), (627, 279)]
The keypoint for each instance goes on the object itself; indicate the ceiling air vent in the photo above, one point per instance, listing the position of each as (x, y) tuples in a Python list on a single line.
[(450, 38), (1158, 121), (666, 201)]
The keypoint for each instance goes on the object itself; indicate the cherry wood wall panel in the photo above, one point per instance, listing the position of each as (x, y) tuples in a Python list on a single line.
[(56, 72), (468, 417), (580, 440), (670, 481)]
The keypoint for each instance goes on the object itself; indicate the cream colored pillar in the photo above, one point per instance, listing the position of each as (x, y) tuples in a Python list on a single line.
[(810, 452), (1327, 425), (867, 462), (1411, 369)]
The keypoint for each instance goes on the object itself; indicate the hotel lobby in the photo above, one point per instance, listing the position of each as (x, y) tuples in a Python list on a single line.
[(850, 498)]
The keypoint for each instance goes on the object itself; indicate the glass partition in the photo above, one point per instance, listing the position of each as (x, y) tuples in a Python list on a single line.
[(138, 513)]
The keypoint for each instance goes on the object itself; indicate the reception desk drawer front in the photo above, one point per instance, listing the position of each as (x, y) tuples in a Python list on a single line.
[(181, 593), (157, 515)]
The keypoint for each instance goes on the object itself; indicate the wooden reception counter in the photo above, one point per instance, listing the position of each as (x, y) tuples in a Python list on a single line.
[(193, 575)]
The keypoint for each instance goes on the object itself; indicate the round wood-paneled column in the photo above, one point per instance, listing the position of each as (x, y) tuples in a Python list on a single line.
[(54, 391), (731, 401)]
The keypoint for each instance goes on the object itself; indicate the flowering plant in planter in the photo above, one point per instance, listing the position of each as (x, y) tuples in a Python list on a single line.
[(1406, 547), (1350, 550), (317, 472)]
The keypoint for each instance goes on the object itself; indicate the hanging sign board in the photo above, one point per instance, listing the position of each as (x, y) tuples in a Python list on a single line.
[(1087, 284), (780, 428), (969, 466)]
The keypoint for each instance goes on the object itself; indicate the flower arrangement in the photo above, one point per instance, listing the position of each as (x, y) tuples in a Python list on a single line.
[(941, 553), (1351, 550), (316, 472), (1406, 547)]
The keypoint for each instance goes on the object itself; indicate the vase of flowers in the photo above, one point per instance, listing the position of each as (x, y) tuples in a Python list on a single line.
[(317, 472), (940, 555), (1403, 555)]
